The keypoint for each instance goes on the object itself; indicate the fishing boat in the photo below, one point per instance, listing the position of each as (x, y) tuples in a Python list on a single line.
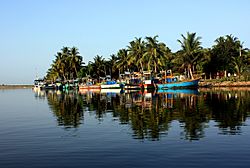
[(39, 84), (110, 84), (89, 90), (49, 86), (71, 84), (130, 86), (89, 85), (147, 82), (111, 91), (192, 83), (132, 81), (59, 85), (170, 82)]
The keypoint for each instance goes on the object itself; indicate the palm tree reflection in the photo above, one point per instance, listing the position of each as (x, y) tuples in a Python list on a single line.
[(151, 115), (67, 107)]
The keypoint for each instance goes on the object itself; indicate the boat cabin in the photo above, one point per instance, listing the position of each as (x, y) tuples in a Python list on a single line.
[(168, 77)]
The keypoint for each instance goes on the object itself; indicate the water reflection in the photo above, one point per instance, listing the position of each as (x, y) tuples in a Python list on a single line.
[(151, 114), (230, 109), (66, 106)]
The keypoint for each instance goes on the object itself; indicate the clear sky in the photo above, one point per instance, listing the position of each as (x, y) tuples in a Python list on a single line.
[(32, 31)]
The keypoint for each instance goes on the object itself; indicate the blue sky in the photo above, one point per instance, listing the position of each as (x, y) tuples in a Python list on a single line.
[(32, 31)]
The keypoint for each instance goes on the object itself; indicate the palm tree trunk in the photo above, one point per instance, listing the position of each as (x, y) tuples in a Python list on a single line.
[(187, 73), (190, 71), (75, 71), (141, 66)]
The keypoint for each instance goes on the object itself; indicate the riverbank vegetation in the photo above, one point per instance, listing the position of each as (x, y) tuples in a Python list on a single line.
[(227, 59), (67, 64)]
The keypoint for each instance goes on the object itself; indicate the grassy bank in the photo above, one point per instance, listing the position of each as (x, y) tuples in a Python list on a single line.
[(15, 86), (218, 83)]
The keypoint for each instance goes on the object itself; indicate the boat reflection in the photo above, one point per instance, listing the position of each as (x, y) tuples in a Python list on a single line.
[(151, 115)]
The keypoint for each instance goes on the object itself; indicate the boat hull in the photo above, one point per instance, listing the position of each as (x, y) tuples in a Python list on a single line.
[(84, 87), (111, 91), (184, 84), (132, 87), (111, 86)]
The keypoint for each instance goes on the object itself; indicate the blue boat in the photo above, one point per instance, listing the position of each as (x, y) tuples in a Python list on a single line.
[(192, 83)]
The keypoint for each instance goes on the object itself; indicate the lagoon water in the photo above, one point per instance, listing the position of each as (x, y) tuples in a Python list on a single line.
[(197, 128)]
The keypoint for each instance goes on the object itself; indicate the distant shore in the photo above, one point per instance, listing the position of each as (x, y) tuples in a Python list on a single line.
[(15, 86)]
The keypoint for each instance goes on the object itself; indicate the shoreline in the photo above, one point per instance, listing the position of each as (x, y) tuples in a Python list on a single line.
[(16, 86), (216, 84), (202, 84)]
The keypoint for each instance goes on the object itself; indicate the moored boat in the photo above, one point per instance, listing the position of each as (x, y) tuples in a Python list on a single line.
[(89, 90), (39, 84), (89, 85), (49, 86), (147, 82), (129, 86), (192, 83), (173, 82), (133, 84), (111, 91), (112, 85), (71, 84), (131, 81)]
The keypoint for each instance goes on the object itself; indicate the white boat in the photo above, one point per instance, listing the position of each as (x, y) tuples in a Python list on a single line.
[(39, 84), (110, 90), (111, 86)]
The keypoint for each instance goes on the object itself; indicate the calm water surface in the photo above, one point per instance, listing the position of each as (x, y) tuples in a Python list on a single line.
[(94, 129)]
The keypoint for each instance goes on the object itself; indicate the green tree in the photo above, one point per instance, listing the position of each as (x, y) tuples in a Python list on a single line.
[(112, 65), (123, 61), (227, 55), (157, 54), (190, 52), (98, 66), (153, 53), (136, 50), (75, 61), (66, 65)]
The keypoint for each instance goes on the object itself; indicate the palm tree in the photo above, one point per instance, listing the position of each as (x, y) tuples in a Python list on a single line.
[(226, 55), (65, 57), (165, 60), (123, 61), (75, 60), (98, 66), (111, 64), (59, 65), (190, 52), (90, 68), (156, 53), (136, 51), (66, 65)]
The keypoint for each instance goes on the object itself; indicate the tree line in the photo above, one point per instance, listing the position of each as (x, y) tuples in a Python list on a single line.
[(227, 55)]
